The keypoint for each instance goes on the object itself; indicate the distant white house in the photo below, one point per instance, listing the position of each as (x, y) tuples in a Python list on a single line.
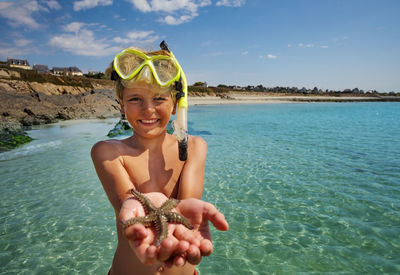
[(75, 71), (68, 71), (18, 63)]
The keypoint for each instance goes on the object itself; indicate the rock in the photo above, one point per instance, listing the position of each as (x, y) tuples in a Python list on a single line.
[(12, 134), (4, 74), (30, 103), (63, 116), (29, 112), (121, 128)]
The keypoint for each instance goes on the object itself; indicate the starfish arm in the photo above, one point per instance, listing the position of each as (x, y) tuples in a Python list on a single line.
[(146, 221), (169, 204), (147, 204), (178, 218), (162, 228)]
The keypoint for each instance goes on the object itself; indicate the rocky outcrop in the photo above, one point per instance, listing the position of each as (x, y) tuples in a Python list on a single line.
[(121, 128), (12, 134), (23, 104)]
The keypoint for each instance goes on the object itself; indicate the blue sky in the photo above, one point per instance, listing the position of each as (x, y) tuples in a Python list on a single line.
[(330, 44)]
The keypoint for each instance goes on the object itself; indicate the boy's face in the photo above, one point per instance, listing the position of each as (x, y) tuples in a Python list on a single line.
[(147, 108)]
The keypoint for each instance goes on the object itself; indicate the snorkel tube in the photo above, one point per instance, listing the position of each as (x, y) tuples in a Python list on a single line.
[(180, 124)]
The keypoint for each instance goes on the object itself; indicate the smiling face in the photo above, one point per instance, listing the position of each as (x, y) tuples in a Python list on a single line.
[(147, 108)]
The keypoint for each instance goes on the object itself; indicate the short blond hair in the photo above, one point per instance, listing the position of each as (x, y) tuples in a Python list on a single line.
[(119, 86)]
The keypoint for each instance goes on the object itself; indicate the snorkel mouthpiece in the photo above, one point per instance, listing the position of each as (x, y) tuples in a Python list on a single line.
[(180, 124)]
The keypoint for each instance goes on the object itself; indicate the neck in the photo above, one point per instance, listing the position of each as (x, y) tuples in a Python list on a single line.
[(150, 144)]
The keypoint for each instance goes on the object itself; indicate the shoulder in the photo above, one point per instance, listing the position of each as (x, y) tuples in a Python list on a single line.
[(106, 149), (197, 143), (197, 146)]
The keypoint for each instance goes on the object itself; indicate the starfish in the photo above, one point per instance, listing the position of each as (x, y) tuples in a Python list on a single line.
[(157, 217)]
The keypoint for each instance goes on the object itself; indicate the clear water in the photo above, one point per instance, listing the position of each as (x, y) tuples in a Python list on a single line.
[(306, 188)]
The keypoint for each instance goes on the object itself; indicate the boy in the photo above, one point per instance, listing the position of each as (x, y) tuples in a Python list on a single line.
[(149, 162)]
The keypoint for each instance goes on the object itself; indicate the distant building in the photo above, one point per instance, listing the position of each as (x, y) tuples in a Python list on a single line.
[(41, 68), (94, 72), (18, 63), (59, 70), (68, 71), (75, 71)]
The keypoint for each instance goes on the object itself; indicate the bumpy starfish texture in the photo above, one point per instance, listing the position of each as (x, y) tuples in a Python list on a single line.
[(157, 217)]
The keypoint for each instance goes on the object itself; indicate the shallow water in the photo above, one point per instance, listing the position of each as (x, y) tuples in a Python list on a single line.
[(305, 188)]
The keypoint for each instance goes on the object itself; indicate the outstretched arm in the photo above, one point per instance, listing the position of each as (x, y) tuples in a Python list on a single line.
[(181, 244)]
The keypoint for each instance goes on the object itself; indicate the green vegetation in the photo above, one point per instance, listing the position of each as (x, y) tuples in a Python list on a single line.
[(96, 76), (8, 142)]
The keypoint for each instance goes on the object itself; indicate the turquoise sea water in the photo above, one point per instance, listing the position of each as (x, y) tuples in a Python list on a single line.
[(306, 188)]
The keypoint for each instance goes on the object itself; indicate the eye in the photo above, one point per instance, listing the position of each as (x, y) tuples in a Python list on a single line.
[(134, 99), (160, 98)]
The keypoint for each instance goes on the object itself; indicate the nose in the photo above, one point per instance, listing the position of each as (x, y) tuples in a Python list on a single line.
[(148, 107)]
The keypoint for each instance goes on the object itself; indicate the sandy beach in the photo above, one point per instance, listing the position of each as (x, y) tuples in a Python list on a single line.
[(270, 99)]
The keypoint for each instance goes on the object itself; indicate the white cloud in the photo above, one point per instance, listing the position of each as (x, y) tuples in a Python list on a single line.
[(231, 3), (88, 4), (117, 17), (142, 39), (268, 56), (137, 35), (311, 45), (19, 13), (22, 42), (178, 11), (17, 47), (13, 52), (170, 20), (141, 5), (53, 4), (73, 27), (82, 42), (302, 45), (245, 53)]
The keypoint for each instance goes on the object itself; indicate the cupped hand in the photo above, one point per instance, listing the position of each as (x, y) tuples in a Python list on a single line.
[(181, 244)]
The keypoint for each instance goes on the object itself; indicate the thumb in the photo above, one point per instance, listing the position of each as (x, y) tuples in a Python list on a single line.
[(215, 217)]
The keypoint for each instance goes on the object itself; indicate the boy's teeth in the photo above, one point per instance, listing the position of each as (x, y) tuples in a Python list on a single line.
[(149, 121)]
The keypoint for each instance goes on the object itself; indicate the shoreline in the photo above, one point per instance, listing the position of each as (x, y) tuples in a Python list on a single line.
[(233, 99)]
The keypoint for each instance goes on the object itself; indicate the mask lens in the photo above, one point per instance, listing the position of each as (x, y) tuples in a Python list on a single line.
[(128, 63), (165, 69)]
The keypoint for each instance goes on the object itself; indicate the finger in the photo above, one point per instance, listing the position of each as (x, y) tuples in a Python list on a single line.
[(150, 256), (136, 232), (193, 255), (184, 234), (206, 247), (217, 218), (181, 248), (179, 260), (167, 248)]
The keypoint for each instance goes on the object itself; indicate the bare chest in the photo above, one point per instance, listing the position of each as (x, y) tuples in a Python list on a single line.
[(157, 174)]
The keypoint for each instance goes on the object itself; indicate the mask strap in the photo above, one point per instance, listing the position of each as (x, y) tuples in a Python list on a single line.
[(114, 75)]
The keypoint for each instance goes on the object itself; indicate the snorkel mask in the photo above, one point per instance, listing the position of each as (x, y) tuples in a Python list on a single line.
[(131, 64)]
